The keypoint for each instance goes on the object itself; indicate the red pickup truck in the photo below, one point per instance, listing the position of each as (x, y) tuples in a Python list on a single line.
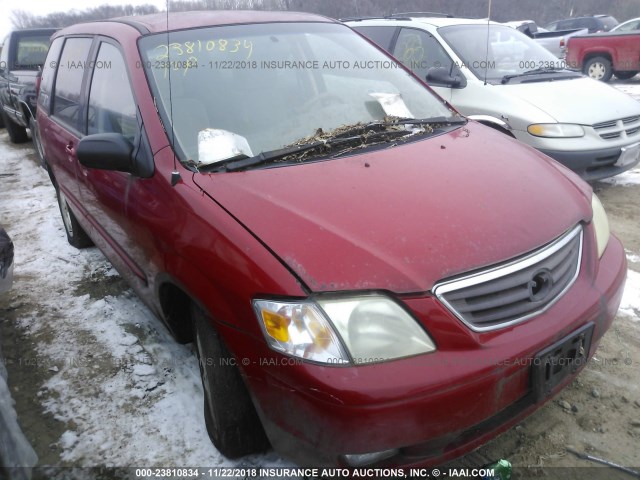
[(602, 55)]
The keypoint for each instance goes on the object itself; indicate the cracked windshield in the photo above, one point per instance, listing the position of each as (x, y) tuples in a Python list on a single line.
[(236, 92)]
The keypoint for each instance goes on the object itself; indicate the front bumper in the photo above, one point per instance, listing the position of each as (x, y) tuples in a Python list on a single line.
[(592, 165), (435, 407)]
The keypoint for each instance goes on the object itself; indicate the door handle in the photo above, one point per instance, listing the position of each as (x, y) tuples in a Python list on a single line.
[(71, 151)]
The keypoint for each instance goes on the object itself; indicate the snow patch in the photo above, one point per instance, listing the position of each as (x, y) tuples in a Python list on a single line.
[(144, 370), (630, 177), (630, 304), (632, 257), (68, 439), (128, 340)]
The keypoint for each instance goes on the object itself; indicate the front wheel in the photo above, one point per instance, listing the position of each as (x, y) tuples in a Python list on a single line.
[(231, 419), (598, 68), (76, 236), (625, 75)]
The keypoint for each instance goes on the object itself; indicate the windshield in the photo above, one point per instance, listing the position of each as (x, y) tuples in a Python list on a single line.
[(275, 84), (509, 51)]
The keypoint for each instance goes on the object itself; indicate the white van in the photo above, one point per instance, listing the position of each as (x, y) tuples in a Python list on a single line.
[(500, 77)]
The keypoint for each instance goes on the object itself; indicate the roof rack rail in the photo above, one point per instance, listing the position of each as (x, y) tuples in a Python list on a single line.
[(421, 14), (372, 17)]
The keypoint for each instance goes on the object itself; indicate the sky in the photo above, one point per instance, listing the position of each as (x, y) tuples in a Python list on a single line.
[(44, 7)]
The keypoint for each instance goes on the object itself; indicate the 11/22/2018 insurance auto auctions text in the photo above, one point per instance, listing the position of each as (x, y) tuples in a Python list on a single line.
[(314, 472)]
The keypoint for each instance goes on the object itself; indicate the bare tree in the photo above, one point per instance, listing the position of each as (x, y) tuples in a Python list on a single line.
[(21, 19), (502, 10)]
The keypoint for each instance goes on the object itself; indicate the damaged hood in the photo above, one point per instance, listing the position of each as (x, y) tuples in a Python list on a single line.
[(583, 101), (404, 217)]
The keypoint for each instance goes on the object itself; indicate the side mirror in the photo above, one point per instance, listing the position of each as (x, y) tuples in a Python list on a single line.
[(440, 77), (106, 151), (529, 29)]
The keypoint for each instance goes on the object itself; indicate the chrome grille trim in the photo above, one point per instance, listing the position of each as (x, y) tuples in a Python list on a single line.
[(609, 124), (501, 289), (613, 129)]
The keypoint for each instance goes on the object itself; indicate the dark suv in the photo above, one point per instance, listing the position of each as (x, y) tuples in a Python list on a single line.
[(595, 23), (369, 278)]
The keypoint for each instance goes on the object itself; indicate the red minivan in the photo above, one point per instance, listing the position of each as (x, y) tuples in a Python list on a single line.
[(369, 278)]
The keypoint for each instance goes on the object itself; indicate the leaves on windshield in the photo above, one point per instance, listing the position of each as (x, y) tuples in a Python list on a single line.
[(358, 136)]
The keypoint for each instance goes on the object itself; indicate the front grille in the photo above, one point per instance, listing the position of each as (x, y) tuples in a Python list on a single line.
[(516, 291), (625, 127)]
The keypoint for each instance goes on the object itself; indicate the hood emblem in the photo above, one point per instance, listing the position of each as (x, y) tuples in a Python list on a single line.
[(540, 285)]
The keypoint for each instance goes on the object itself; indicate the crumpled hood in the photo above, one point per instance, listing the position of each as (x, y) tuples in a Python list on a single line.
[(582, 100), (402, 218)]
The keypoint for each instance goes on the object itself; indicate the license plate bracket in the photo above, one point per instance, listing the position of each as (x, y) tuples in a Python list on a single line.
[(629, 155), (556, 362)]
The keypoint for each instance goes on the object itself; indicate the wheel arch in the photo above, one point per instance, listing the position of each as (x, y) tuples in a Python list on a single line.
[(26, 112), (175, 305), (593, 54), (493, 122)]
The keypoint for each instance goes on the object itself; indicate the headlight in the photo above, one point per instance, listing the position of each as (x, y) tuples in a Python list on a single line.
[(556, 130), (600, 224), (353, 330)]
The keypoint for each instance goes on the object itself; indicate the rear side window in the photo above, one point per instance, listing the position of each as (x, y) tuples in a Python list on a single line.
[(31, 51), (565, 25), (590, 23), (112, 108), (382, 36), (48, 74), (68, 85), (609, 23)]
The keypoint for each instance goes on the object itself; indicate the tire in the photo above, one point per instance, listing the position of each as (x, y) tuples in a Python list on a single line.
[(232, 422), (598, 68), (35, 137), (76, 236), (17, 134), (625, 75), (1, 119)]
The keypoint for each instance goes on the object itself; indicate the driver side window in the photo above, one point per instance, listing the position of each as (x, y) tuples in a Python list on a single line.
[(420, 52), (112, 108)]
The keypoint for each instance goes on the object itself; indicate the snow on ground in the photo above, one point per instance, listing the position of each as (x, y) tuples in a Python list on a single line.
[(630, 177), (630, 304), (129, 394)]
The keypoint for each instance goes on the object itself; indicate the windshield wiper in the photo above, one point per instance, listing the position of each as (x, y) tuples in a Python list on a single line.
[(429, 121), (321, 145), (535, 71), (359, 135)]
